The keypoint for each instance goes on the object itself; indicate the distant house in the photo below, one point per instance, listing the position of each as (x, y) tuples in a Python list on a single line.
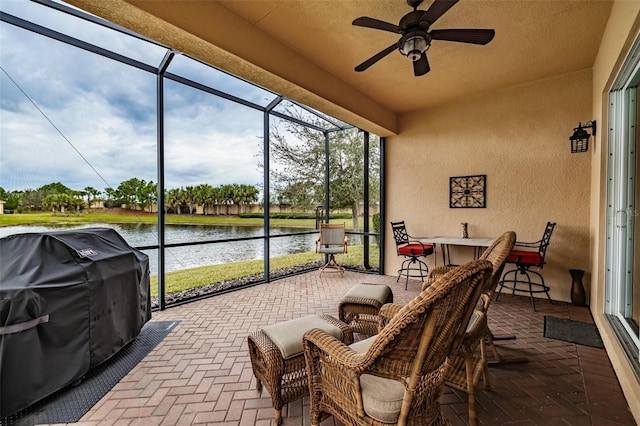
[(97, 204), (1, 207)]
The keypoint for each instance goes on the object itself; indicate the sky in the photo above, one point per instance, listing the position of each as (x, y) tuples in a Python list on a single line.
[(71, 116)]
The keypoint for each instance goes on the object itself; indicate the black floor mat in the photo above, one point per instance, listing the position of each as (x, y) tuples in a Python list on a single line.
[(68, 405), (578, 332)]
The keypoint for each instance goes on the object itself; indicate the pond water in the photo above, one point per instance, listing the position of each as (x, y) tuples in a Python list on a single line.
[(177, 258)]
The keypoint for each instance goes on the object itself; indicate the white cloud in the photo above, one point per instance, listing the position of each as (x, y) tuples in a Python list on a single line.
[(106, 111)]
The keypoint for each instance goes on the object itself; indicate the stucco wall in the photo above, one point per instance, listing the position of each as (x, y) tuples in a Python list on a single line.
[(519, 138)]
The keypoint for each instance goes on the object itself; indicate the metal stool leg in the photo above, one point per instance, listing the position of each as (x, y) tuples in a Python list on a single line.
[(529, 284), (533, 302), (410, 268)]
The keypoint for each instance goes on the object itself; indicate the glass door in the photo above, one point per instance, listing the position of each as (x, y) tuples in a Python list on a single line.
[(623, 288)]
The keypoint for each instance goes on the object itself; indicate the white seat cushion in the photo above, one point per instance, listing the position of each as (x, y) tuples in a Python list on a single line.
[(287, 336), (381, 398), (331, 250), (379, 292), (362, 346)]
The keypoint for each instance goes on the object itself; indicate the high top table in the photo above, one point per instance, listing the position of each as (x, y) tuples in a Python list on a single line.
[(479, 244)]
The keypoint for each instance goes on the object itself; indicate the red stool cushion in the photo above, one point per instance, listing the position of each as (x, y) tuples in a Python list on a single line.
[(416, 249), (524, 257)]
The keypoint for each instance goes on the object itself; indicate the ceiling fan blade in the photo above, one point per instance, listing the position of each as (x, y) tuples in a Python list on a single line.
[(375, 58), (421, 66), (475, 35), (437, 9), (365, 21)]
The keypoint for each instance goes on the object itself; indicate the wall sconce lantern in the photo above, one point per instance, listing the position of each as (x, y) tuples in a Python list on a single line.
[(580, 138)]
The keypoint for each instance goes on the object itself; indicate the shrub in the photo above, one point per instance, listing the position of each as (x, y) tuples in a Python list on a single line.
[(376, 227)]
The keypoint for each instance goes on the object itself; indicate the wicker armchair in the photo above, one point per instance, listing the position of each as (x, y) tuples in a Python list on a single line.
[(399, 377), (465, 366)]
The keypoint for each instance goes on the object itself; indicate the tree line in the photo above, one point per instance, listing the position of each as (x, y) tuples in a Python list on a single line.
[(298, 165), (134, 194)]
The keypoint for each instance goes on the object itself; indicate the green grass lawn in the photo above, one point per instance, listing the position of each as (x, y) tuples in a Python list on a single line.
[(141, 217)]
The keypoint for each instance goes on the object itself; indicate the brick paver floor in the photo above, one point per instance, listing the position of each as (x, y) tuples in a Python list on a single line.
[(201, 373)]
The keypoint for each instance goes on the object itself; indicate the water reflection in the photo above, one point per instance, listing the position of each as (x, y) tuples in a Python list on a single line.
[(177, 258)]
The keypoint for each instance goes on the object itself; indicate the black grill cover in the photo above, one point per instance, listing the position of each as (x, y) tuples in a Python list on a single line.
[(68, 301)]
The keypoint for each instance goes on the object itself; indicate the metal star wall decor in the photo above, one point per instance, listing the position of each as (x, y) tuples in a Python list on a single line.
[(467, 191)]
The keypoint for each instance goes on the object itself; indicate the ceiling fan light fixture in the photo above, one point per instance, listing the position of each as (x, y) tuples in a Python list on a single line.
[(413, 46), (416, 34)]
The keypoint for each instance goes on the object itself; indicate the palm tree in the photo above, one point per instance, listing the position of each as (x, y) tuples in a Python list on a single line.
[(51, 201), (112, 195), (76, 199), (236, 195), (216, 197), (189, 196), (226, 196), (202, 196), (77, 203), (208, 197), (172, 199), (92, 194), (60, 202), (247, 194)]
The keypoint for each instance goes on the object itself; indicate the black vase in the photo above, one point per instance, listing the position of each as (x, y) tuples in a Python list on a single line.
[(578, 295)]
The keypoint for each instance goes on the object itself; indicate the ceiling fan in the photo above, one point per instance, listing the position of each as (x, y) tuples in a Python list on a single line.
[(415, 35)]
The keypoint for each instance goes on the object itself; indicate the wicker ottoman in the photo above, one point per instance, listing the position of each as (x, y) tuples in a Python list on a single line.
[(278, 361), (360, 305)]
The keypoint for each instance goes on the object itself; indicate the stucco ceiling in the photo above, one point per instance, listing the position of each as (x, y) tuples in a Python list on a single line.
[(534, 40), (309, 48)]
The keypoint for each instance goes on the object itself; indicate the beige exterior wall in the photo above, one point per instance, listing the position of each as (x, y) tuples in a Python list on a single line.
[(519, 138), (622, 29)]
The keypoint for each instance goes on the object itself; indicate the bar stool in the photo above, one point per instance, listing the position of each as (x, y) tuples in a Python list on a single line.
[(412, 250), (519, 279)]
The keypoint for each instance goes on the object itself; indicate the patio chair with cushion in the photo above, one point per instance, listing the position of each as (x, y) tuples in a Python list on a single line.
[(465, 366), (412, 250), (526, 256), (331, 240), (396, 376)]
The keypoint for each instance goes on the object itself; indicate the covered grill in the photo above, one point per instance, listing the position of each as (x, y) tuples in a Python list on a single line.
[(69, 300)]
